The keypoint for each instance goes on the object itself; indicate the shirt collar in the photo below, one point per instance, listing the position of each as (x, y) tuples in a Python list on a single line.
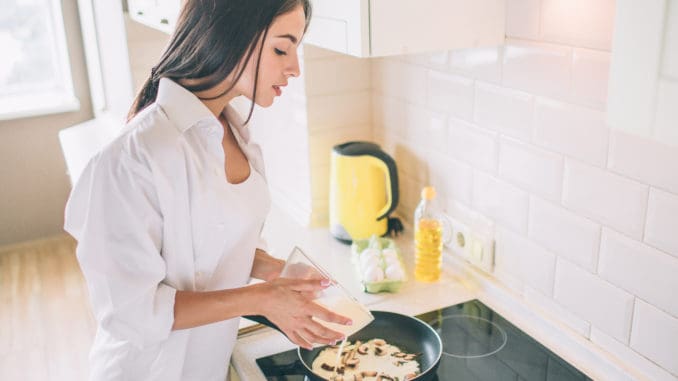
[(182, 107)]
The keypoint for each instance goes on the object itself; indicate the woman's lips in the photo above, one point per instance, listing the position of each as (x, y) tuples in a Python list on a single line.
[(278, 90)]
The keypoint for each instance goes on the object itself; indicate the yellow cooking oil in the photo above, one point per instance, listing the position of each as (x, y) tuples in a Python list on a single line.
[(428, 239)]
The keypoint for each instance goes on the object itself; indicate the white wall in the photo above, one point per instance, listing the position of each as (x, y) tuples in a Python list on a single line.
[(586, 217), (34, 183)]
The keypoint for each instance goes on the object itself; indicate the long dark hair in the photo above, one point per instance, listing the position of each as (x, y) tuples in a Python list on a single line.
[(210, 39)]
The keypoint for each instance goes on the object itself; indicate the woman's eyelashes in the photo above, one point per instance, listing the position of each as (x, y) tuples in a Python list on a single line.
[(280, 52)]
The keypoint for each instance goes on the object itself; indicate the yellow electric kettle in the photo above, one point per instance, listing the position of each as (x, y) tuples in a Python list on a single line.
[(363, 191)]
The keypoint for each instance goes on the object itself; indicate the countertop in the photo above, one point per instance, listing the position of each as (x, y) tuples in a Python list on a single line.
[(460, 282)]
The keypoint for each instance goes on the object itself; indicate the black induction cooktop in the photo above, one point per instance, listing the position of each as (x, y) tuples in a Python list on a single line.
[(478, 345)]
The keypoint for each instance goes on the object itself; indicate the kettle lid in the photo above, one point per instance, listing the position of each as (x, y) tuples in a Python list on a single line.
[(356, 148)]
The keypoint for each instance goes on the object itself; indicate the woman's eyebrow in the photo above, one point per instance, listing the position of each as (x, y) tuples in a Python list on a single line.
[(291, 37)]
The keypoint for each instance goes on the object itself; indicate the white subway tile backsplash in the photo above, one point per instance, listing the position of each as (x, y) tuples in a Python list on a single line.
[(472, 145), (504, 110), (389, 113), (583, 23), (523, 18), (655, 336), (564, 233), (605, 197), (312, 52), (339, 110), (557, 312), (436, 60), (645, 160), (538, 68), (412, 161), (517, 134), (480, 63), (337, 75), (639, 269), (453, 177), (399, 79), (661, 229), (426, 128), (607, 307), (537, 171), (670, 51), (500, 201), (410, 191), (572, 130), (509, 279), (666, 112), (590, 70), (626, 355), (450, 93), (527, 261)]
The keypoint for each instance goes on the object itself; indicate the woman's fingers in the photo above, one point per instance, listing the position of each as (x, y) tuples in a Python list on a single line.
[(322, 333), (306, 285), (300, 341)]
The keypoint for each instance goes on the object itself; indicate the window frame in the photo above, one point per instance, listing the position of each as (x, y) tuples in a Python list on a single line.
[(41, 103)]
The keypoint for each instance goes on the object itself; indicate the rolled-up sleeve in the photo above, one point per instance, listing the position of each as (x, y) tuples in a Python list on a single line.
[(114, 215)]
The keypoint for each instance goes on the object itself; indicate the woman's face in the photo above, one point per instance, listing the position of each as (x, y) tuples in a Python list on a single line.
[(279, 59)]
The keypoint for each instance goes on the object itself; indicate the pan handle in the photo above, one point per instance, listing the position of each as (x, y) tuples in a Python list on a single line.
[(264, 321)]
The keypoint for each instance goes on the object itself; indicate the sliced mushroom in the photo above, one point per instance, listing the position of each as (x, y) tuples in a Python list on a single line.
[(368, 373), (363, 349), (399, 354), (386, 377), (379, 351), (378, 342), (327, 367), (352, 362)]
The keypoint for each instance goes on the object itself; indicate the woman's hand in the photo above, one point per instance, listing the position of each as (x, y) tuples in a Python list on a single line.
[(265, 266), (288, 304)]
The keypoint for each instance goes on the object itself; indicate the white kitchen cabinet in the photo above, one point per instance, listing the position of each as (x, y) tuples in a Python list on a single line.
[(158, 14), (643, 82), (373, 28)]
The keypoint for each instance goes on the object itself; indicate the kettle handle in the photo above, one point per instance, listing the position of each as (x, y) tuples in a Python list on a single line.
[(387, 165)]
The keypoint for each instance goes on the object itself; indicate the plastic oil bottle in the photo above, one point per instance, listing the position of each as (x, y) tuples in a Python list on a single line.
[(428, 238)]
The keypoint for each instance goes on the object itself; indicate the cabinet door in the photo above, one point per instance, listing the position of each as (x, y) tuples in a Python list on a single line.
[(342, 26), (643, 83)]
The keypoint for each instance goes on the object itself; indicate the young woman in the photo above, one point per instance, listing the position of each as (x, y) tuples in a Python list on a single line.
[(168, 216)]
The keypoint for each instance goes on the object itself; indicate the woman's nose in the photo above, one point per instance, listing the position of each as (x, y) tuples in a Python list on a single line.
[(293, 69)]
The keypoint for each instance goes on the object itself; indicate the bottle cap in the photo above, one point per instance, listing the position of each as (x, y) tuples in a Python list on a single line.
[(428, 193)]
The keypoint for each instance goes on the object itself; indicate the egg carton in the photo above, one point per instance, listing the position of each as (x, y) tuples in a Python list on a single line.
[(379, 264)]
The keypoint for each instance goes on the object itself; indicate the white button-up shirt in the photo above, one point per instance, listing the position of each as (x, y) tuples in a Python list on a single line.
[(153, 213)]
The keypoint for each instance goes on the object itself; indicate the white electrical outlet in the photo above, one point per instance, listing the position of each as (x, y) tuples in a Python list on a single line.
[(474, 243)]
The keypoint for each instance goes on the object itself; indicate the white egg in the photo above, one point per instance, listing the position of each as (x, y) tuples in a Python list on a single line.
[(369, 256), (370, 263), (390, 253), (395, 272), (373, 274), (391, 261)]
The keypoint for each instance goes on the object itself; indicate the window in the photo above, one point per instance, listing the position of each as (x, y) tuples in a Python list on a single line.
[(35, 76)]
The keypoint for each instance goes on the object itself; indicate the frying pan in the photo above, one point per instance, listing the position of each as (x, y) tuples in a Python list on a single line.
[(408, 333)]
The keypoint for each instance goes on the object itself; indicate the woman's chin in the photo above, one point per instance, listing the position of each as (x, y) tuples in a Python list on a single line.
[(265, 102)]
